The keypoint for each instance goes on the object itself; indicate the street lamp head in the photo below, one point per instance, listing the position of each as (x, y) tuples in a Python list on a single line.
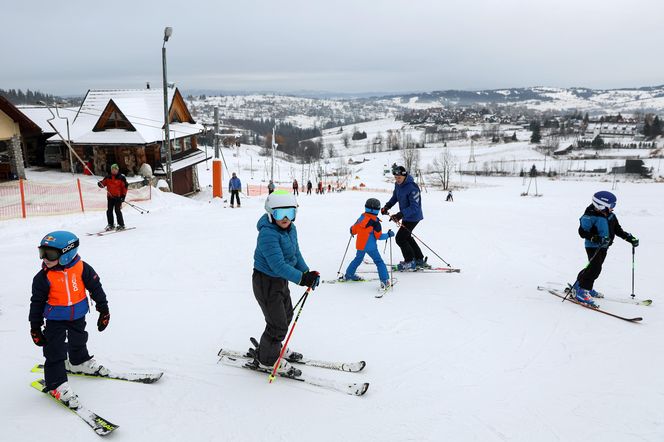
[(168, 31)]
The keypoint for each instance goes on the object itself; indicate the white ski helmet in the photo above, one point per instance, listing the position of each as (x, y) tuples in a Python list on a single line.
[(279, 199)]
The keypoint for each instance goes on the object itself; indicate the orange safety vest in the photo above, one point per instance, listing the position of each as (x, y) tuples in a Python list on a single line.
[(362, 231), (67, 287)]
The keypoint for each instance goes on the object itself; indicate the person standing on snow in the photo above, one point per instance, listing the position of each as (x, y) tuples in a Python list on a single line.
[(234, 187), (277, 260), (309, 187), (368, 231), (116, 192), (270, 187), (598, 226), (450, 197), (407, 194), (296, 188), (59, 296)]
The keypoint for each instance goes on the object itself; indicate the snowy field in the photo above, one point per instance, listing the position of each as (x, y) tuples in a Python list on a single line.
[(476, 356)]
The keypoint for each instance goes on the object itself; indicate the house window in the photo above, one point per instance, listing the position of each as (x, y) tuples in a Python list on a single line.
[(187, 143), (177, 146), (117, 121)]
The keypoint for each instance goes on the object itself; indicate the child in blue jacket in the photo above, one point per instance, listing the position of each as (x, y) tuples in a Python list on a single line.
[(277, 260), (368, 231), (598, 226)]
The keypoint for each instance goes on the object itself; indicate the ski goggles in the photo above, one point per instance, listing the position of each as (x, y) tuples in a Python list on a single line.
[(49, 253), (372, 211), (284, 212)]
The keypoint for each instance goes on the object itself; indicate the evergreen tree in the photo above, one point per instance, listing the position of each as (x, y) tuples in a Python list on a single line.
[(656, 127), (536, 137), (598, 142)]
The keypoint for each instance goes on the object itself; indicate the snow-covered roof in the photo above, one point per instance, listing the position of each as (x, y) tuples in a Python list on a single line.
[(40, 116), (143, 108), (193, 157)]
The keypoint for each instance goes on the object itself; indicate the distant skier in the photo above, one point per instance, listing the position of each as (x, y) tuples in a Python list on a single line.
[(320, 188), (598, 226), (277, 260), (116, 192), (296, 188), (59, 296), (309, 187), (450, 197), (368, 231), (234, 187), (407, 193), (270, 187)]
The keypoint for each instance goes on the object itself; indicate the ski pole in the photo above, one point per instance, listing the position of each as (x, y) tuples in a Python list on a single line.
[(290, 333), (391, 266), (138, 208), (632, 295), (401, 226), (344, 258), (582, 272)]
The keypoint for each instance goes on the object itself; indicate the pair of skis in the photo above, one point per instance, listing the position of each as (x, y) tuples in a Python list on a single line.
[(109, 232), (381, 290), (570, 297), (245, 360), (98, 424)]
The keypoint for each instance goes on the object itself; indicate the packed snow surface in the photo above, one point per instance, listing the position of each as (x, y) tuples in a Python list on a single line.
[(481, 355)]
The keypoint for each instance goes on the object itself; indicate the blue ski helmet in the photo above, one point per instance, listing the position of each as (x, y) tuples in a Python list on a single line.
[(64, 242), (604, 200)]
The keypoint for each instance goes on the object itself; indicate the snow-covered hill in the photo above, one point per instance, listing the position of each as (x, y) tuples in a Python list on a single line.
[(480, 355)]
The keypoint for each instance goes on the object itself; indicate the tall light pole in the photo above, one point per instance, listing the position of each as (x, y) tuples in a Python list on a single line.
[(168, 31)]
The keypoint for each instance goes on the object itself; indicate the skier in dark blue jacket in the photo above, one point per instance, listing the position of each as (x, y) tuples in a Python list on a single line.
[(277, 260), (234, 187), (598, 226), (407, 194)]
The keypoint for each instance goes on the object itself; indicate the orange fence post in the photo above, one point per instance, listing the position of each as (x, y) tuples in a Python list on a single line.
[(20, 186), (216, 179), (80, 194)]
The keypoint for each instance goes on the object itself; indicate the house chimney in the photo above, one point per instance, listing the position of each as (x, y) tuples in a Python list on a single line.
[(148, 85)]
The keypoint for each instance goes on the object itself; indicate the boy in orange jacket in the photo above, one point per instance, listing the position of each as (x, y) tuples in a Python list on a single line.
[(368, 231)]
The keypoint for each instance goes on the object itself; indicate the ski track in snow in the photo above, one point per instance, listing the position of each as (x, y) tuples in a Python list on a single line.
[(479, 355)]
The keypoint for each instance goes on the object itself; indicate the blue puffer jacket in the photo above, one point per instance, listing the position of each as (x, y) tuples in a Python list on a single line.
[(277, 253), (409, 198), (234, 184), (597, 223)]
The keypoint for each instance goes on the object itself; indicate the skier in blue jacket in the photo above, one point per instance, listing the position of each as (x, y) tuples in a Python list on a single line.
[(407, 194), (234, 187), (277, 260), (598, 226)]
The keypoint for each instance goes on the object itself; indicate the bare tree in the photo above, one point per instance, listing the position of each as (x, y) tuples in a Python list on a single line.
[(346, 139), (443, 165), (411, 159)]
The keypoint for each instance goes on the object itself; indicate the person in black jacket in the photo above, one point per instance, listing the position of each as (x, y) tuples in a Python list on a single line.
[(598, 226)]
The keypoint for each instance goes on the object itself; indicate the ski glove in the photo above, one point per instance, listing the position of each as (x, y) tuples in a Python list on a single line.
[(37, 335), (104, 317), (390, 233), (122, 198), (384, 210), (633, 240), (397, 217), (310, 279)]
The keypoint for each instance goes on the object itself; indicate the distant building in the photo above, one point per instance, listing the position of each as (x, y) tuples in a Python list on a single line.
[(126, 126), (16, 132)]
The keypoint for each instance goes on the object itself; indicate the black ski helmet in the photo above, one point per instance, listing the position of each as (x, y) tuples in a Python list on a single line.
[(372, 203), (399, 170)]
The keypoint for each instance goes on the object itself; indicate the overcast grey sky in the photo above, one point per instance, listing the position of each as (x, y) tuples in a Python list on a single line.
[(340, 46)]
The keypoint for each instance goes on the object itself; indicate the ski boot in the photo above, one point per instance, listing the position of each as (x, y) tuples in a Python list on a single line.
[(292, 356), (406, 266), (109, 227), (285, 368), (90, 367), (422, 263), (118, 228), (583, 297), (66, 395), (591, 292), (354, 277), (385, 285)]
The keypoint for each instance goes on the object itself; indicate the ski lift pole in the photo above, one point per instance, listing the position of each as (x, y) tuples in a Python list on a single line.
[(290, 333)]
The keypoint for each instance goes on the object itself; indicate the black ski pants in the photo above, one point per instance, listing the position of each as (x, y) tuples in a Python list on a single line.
[(273, 296), (114, 203), (235, 195), (62, 338), (409, 248), (590, 273)]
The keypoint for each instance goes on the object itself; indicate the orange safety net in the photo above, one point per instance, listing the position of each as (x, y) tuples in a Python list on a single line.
[(26, 198)]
